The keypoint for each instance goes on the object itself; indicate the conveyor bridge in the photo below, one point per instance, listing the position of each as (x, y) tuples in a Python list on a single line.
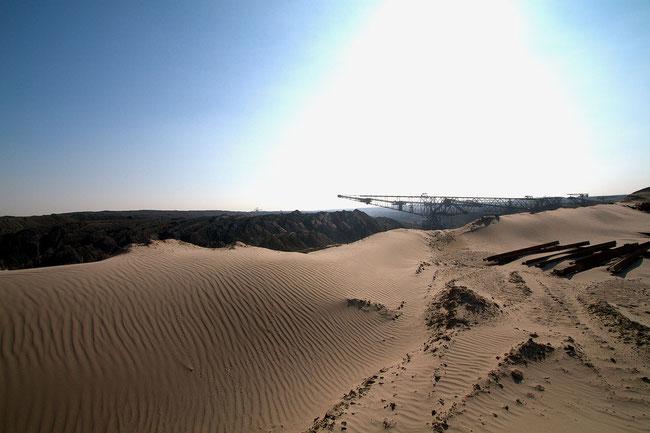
[(436, 208)]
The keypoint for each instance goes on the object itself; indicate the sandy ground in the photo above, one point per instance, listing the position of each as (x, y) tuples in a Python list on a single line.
[(406, 331)]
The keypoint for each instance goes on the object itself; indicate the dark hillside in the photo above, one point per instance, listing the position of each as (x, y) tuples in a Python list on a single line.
[(49, 240), (639, 200)]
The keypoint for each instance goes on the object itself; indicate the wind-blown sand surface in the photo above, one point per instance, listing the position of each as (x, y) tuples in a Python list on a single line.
[(177, 338)]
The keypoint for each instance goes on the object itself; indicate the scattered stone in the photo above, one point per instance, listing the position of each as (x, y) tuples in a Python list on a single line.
[(516, 279), (458, 306), (628, 329), (570, 350), (529, 351), (517, 375), (328, 421), (439, 426), (422, 266), (368, 306)]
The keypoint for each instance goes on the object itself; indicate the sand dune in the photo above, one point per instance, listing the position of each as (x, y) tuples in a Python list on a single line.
[(173, 337), (596, 223), (179, 338)]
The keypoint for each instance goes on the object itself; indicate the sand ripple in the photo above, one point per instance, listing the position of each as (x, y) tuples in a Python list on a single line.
[(178, 338)]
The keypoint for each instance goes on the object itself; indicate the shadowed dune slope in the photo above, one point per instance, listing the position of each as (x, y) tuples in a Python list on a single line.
[(173, 337)]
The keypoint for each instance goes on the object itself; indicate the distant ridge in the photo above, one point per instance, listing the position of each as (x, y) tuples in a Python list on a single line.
[(642, 194), (81, 237), (639, 200)]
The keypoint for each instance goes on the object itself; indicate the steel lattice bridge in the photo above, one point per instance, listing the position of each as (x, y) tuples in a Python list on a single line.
[(435, 208)]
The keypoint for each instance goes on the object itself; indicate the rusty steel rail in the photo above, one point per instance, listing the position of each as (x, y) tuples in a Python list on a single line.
[(571, 254), (511, 255), (596, 259), (626, 261)]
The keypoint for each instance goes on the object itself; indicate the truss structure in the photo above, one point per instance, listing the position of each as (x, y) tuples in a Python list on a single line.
[(435, 208)]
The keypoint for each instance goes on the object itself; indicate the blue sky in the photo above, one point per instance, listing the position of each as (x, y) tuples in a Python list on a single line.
[(284, 104)]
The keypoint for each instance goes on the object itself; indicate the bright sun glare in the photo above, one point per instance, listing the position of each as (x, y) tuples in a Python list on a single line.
[(446, 88)]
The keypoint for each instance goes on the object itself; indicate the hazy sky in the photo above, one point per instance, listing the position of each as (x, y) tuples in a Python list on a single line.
[(284, 104)]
